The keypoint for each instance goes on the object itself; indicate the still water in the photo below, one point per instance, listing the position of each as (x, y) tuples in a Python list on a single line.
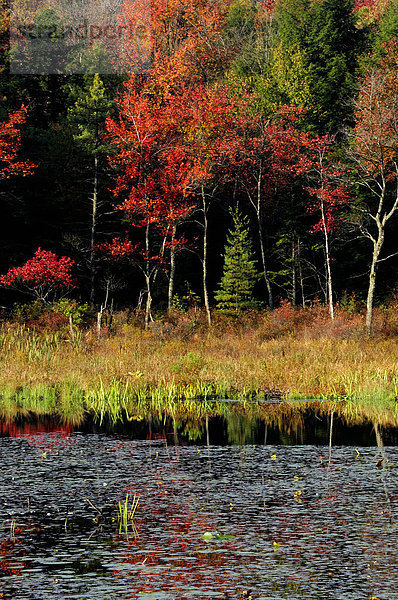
[(279, 517)]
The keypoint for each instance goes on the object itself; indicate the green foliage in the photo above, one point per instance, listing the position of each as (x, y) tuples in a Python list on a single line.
[(291, 76), (241, 17), (89, 113), (39, 312), (82, 314), (351, 303), (28, 311), (325, 34), (183, 303), (235, 292), (386, 30)]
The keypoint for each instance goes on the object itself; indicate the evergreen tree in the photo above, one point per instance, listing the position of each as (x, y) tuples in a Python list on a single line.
[(235, 293), (322, 34), (89, 114)]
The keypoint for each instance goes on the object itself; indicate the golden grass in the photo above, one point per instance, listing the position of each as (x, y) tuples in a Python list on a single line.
[(109, 375), (240, 363)]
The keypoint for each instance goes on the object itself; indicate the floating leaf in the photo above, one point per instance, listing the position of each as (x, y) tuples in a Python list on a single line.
[(276, 545)]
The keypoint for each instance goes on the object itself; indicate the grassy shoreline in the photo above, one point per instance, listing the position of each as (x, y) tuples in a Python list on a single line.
[(56, 372)]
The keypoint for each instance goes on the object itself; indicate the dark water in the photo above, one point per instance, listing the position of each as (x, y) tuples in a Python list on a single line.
[(309, 427), (217, 521)]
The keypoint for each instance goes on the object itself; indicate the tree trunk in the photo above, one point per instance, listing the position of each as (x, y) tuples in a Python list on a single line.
[(147, 280), (172, 268), (93, 232), (293, 273), (300, 273), (328, 268), (262, 249), (377, 244), (148, 302), (265, 271), (205, 226)]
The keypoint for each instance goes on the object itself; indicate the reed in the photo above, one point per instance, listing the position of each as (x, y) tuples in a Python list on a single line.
[(127, 510), (132, 371)]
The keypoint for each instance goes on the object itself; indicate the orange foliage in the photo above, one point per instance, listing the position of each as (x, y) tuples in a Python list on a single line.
[(10, 143), (376, 130)]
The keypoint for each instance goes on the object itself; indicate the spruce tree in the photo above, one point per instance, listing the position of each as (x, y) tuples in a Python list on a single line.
[(235, 292)]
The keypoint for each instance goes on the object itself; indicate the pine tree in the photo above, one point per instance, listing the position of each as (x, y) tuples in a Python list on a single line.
[(89, 114), (235, 292)]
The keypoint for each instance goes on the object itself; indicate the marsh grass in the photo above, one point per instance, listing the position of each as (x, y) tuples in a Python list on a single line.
[(127, 510), (287, 354)]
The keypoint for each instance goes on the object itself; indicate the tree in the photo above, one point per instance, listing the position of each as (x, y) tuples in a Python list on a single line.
[(324, 33), (43, 276), (209, 124), (328, 197), (151, 176), (10, 143), (235, 292), (89, 114), (187, 38), (174, 183), (371, 11), (374, 156), (273, 154), (386, 28)]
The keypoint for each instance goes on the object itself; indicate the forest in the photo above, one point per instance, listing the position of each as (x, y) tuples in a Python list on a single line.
[(250, 163), (198, 299)]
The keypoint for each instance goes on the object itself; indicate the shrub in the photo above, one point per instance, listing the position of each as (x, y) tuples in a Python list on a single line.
[(82, 314)]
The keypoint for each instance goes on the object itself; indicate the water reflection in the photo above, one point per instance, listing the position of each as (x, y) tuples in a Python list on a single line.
[(314, 522), (278, 502), (282, 425)]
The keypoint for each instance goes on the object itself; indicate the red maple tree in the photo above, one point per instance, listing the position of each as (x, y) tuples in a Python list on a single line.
[(153, 180), (208, 122), (42, 276), (273, 154), (184, 39)]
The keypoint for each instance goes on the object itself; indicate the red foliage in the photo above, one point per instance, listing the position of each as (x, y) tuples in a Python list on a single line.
[(153, 175), (41, 275), (187, 39), (328, 194), (10, 142), (210, 131), (268, 5), (311, 323), (376, 140), (373, 9), (272, 155), (48, 321)]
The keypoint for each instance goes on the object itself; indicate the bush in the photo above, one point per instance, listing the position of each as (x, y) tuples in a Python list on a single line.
[(82, 314), (42, 316), (26, 312)]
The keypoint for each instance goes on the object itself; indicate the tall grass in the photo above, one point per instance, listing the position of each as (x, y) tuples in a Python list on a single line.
[(288, 353)]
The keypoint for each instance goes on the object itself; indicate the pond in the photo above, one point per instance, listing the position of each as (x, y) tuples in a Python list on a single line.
[(143, 511)]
